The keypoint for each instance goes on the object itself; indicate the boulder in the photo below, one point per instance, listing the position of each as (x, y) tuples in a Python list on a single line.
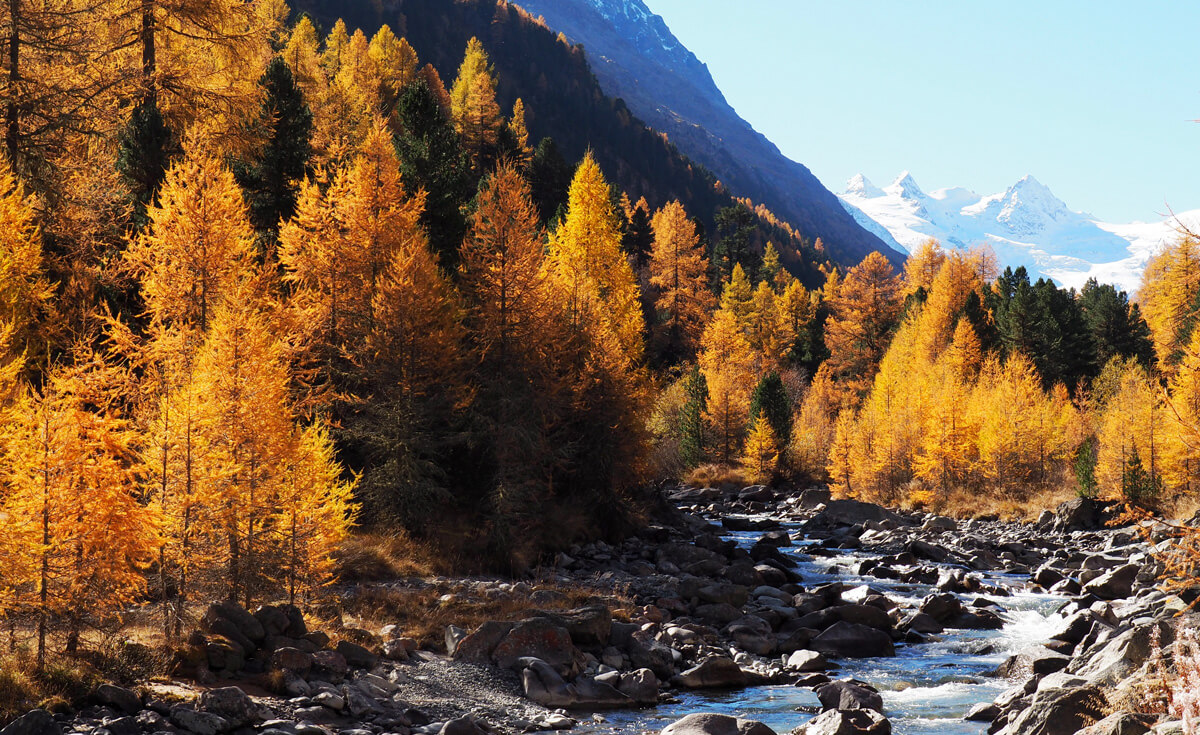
[(718, 672), (330, 665), (1121, 723), (983, 712), (358, 657), (1078, 514), (710, 723), (852, 640), (1059, 712), (291, 659), (641, 686), (1114, 585), (1036, 661), (233, 704), (851, 513), (119, 698), (846, 722), (849, 694), (464, 726), (805, 661), (224, 654), (868, 615), (35, 722), (477, 647), (753, 635), (1108, 663), (273, 619), (246, 624), (587, 626), (942, 607), (200, 723), (537, 638)]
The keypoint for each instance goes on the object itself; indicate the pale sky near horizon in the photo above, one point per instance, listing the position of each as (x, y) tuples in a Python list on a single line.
[(1095, 99)]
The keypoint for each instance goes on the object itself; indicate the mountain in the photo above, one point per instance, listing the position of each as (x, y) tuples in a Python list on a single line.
[(1026, 225), (564, 101), (637, 59)]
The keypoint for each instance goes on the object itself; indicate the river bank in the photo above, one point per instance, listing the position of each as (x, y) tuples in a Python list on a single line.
[(791, 609)]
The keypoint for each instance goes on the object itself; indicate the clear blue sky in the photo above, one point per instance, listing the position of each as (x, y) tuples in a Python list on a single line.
[(1095, 99)]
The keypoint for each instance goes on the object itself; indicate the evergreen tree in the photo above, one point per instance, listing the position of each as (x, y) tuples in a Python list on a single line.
[(432, 158), (691, 429), (271, 178), (1117, 326), (145, 148), (770, 401), (735, 227), (549, 179)]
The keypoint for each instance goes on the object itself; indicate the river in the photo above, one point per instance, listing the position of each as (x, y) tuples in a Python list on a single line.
[(926, 688)]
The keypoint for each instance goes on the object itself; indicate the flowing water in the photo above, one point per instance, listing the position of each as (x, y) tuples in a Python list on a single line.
[(926, 688)]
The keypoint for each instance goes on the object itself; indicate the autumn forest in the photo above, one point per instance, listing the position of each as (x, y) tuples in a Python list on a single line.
[(266, 285)]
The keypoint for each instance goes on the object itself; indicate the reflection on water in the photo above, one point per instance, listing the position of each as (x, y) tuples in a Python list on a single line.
[(926, 688)]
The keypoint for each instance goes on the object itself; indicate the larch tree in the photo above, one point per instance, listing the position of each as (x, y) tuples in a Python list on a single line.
[(315, 513), (71, 480), (813, 428), (726, 361), (923, 265), (517, 129), (502, 265), (864, 310), (760, 460), (737, 297), (594, 274), (24, 289), (679, 271), (769, 330), (247, 425), (473, 104), (1168, 299), (1137, 417), (199, 242), (395, 63)]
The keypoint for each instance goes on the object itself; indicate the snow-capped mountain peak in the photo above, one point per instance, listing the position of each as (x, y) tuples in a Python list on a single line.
[(861, 186), (1026, 224), (906, 187)]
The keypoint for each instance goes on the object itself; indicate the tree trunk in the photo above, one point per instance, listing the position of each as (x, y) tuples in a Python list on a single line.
[(12, 133)]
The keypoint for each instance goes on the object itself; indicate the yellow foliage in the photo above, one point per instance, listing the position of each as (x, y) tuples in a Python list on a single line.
[(587, 262), (679, 270), (1167, 297), (761, 457), (726, 361)]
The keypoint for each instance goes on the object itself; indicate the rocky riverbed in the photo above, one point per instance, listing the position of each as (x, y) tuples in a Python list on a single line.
[(789, 610)]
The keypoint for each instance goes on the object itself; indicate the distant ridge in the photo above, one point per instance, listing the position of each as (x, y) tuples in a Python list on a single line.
[(637, 58)]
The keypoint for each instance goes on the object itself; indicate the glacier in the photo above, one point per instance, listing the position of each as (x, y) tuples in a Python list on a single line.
[(1025, 225)]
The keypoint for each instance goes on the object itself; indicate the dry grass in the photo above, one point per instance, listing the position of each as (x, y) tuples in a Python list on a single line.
[(375, 557), (718, 476), (965, 503), (423, 615), (64, 682)]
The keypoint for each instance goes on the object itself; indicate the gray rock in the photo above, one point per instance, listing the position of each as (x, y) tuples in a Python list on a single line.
[(1121, 723), (846, 722), (246, 623), (983, 712), (1059, 712), (463, 726), (1034, 661), (119, 698), (477, 647), (35, 722), (454, 636), (718, 672), (709, 723), (541, 683), (232, 704), (588, 626), (805, 661), (293, 660), (538, 638), (330, 700), (853, 640), (330, 665), (849, 694), (1114, 585), (358, 657), (641, 686), (200, 723)]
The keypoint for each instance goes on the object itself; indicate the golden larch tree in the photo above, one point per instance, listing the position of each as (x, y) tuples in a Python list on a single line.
[(864, 309), (587, 262), (502, 265), (726, 361), (71, 479), (473, 104), (679, 271), (200, 240)]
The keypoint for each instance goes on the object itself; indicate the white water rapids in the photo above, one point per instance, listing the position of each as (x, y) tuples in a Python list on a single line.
[(926, 688)]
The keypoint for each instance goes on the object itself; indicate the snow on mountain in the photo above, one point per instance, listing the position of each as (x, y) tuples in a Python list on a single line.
[(1025, 225)]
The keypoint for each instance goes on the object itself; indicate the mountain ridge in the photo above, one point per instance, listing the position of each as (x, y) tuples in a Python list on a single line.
[(636, 58), (1026, 224)]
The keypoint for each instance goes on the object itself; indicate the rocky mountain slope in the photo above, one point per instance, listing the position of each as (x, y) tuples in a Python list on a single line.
[(1026, 225), (637, 58)]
